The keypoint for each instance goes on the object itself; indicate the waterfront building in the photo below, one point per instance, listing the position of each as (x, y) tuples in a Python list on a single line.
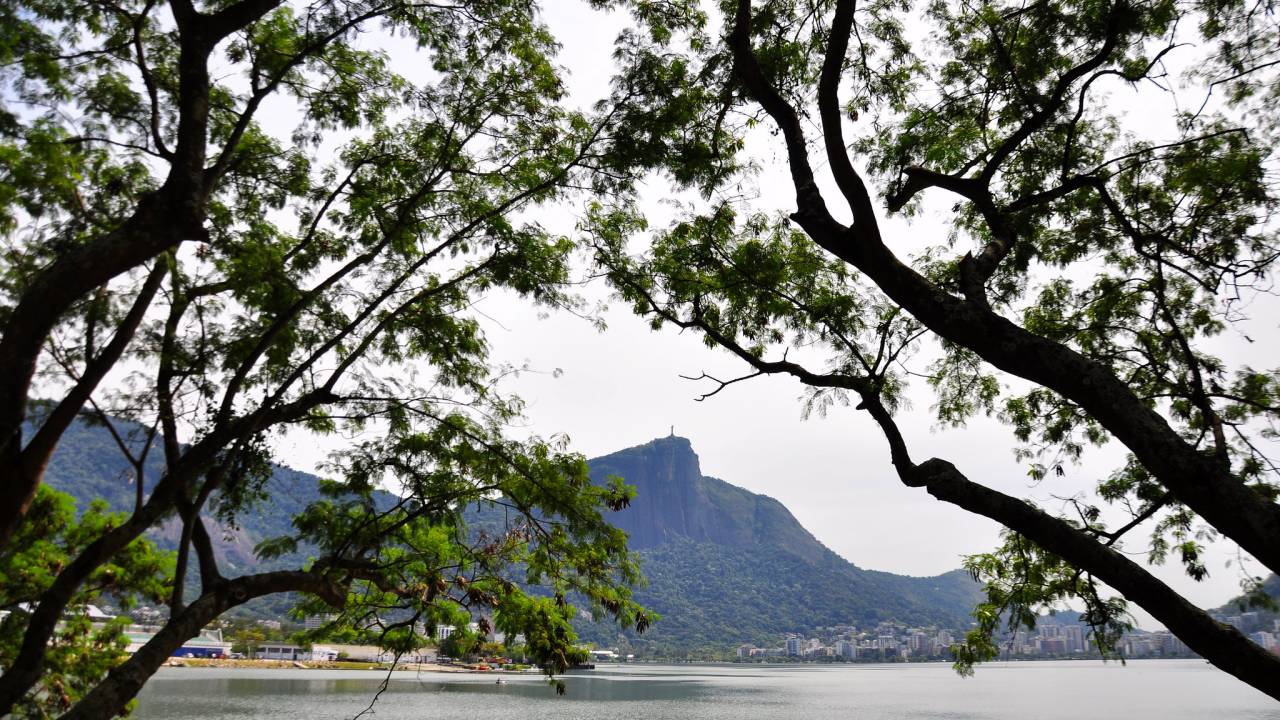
[(795, 646), (280, 651), (209, 644), (1074, 635)]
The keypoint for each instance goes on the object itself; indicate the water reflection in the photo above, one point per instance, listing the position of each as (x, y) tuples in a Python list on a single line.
[(580, 688), (1147, 690)]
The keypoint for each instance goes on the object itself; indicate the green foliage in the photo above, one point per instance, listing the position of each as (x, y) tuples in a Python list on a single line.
[(424, 569), (316, 272), (1074, 239), (462, 644), (245, 639), (80, 652), (1021, 581)]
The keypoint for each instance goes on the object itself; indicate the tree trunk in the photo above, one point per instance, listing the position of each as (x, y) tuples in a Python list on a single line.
[(153, 228), (122, 684)]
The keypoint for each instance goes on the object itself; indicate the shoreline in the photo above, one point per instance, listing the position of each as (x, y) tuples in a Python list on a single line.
[(337, 665)]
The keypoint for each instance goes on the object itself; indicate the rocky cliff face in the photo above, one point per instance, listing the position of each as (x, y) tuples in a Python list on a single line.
[(676, 501), (726, 565)]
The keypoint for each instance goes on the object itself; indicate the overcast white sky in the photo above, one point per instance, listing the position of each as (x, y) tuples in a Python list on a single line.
[(622, 388)]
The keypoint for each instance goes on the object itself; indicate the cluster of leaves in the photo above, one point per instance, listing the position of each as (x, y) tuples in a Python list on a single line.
[(420, 567), (1021, 582), (81, 649)]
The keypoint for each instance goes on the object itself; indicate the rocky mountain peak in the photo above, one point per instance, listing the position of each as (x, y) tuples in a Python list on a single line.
[(675, 501)]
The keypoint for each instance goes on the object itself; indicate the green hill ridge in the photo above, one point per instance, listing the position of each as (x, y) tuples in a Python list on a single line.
[(725, 565)]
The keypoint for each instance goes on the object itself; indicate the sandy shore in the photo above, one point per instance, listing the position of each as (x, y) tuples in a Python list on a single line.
[(336, 665)]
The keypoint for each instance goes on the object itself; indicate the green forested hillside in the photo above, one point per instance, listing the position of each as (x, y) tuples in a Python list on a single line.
[(712, 595), (89, 466), (725, 565)]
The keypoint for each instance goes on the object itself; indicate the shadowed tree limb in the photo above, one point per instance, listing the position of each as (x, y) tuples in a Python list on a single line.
[(110, 696), (1223, 645)]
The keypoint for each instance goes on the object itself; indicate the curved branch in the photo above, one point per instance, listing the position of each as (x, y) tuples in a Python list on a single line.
[(847, 179), (1220, 644), (810, 204), (109, 697)]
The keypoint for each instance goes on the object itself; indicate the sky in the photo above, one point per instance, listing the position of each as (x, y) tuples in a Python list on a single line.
[(623, 387)]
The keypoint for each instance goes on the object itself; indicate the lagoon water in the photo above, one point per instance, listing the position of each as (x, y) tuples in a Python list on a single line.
[(1140, 690)]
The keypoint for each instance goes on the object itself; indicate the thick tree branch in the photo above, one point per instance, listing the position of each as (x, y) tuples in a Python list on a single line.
[(847, 179), (1220, 644), (109, 697), (25, 670), (809, 200)]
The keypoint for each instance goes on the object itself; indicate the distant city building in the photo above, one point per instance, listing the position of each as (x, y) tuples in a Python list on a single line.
[(795, 646), (921, 644), (1053, 646), (1074, 636), (314, 622), (1265, 639)]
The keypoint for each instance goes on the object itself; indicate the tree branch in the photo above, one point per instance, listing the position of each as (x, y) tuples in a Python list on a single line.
[(847, 179), (1220, 644)]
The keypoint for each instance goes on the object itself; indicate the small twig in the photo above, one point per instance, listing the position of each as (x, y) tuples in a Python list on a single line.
[(382, 687)]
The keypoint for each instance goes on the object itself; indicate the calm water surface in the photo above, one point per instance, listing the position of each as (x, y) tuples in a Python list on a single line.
[(1142, 690)]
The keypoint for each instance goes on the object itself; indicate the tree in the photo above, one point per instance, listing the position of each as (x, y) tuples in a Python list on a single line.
[(1087, 268), (293, 244), (463, 643), (77, 652), (246, 639)]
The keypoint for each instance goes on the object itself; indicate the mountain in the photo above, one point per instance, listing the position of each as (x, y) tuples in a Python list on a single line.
[(1255, 615), (88, 465), (725, 565)]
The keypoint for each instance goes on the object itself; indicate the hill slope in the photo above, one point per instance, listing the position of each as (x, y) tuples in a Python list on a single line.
[(89, 466), (725, 565)]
